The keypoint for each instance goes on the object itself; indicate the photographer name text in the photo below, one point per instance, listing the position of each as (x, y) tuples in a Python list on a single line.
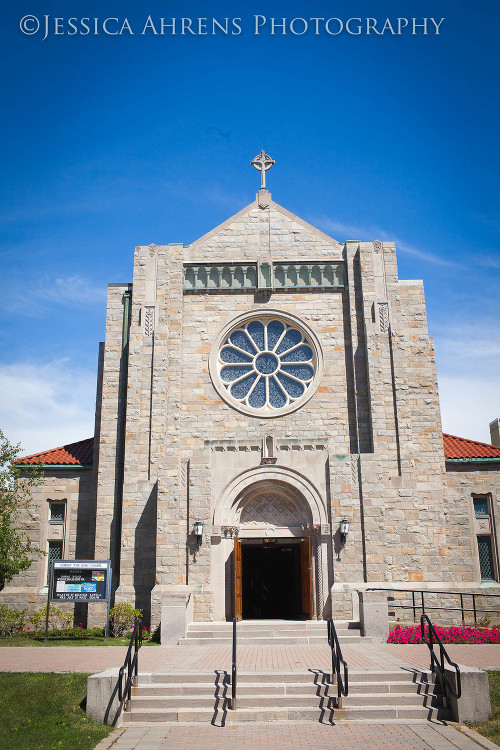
[(45, 26)]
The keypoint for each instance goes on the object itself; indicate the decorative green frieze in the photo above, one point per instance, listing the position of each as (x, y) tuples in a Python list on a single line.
[(223, 276), (308, 276), (280, 277)]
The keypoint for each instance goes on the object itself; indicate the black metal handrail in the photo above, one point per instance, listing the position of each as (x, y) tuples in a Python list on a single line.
[(131, 665), (421, 605), (233, 670), (337, 661), (433, 638)]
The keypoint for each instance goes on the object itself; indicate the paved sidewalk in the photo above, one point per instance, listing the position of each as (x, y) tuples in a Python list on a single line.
[(250, 658), (287, 736), (285, 658)]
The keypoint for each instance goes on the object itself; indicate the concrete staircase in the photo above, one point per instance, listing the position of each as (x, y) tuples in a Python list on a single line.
[(271, 696), (270, 633)]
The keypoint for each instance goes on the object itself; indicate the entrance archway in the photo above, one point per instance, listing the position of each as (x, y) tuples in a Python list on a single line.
[(274, 580), (271, 555)]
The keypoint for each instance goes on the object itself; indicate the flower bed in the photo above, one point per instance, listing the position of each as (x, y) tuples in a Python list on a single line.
[(452, 634)]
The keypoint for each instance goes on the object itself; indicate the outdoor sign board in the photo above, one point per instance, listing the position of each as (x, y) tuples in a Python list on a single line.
[(80, 580)]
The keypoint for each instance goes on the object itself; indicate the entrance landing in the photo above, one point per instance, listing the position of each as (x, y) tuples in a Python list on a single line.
[(191, 658), (268, 632)]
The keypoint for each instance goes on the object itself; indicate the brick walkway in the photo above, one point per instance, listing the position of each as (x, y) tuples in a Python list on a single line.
[(250, 658), (285, 736), (278, 736)]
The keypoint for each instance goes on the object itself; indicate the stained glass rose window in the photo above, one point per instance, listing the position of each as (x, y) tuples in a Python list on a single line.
[(267, 365)]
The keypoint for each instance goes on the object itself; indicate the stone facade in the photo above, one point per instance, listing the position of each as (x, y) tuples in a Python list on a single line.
[(364, 442)]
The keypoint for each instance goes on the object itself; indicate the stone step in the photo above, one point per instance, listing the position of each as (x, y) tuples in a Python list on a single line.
[(284, 696), (305, 700), (356, 677), (245, 625), (269, 633), (274, 640), (181, 678), (276, 713), (381, 688), (279, 687), (396, 675)]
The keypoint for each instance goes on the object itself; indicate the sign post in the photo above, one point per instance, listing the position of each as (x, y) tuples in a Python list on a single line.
[(80, 581)]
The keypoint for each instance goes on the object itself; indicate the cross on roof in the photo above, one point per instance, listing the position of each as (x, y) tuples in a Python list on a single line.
[(262, 162)]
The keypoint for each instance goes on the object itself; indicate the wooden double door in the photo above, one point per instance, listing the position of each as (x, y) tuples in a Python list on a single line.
[(272, 579)]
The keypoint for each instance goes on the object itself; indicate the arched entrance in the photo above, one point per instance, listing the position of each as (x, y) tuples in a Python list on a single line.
[(272, 555), (271, 525)]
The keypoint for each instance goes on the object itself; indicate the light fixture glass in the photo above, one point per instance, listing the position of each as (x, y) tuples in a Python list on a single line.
[(198, 530)]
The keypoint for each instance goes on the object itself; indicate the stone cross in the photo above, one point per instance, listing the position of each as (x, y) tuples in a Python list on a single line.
[(262, 162)]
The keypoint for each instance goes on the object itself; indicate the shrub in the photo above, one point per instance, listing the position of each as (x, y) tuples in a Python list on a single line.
[(76, 634), (122, 617), (57, 618), (11, 620)]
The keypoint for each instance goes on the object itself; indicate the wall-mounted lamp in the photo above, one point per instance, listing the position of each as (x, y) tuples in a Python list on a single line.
[(344, 529), (198, 531)]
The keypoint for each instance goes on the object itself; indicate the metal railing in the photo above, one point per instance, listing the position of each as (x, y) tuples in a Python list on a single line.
[(337, 661), (233, 670), (131, 666), (438, 663), (416, 605)]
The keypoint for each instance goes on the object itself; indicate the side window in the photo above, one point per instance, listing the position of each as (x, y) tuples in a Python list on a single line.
[(55, 553), (485, 558), (481, 507), (485, 548), (57, 512), (56, 533)]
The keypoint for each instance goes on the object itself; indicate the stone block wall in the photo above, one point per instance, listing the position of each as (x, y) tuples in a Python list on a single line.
[(73, 488), (377, 403), (463, 482)]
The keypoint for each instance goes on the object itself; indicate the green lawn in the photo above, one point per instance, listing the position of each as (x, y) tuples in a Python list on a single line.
[(491, 728), (17, 640), (41, 711)]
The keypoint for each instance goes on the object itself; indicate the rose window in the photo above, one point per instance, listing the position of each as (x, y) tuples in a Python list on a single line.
[(266, 364)]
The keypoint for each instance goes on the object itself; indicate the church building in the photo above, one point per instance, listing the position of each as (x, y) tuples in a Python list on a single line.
[(268, 436)]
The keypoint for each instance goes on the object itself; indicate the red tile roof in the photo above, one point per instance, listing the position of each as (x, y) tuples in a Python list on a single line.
[(461, 448), (73, 454)]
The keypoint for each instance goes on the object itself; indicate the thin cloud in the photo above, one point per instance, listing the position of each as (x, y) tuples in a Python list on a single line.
[(107, 195), (468, 405), (489, 262), (352, 231), (45, 405), (468, 360), (31, 298), (469, 349), (72, 290)]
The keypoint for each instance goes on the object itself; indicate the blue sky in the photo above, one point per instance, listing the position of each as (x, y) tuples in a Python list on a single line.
[(109, 141)]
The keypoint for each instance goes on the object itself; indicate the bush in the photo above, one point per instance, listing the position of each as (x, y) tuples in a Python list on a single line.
[(76, 634), (57, 618), (453, 634), (122, 617), (11, 620)]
